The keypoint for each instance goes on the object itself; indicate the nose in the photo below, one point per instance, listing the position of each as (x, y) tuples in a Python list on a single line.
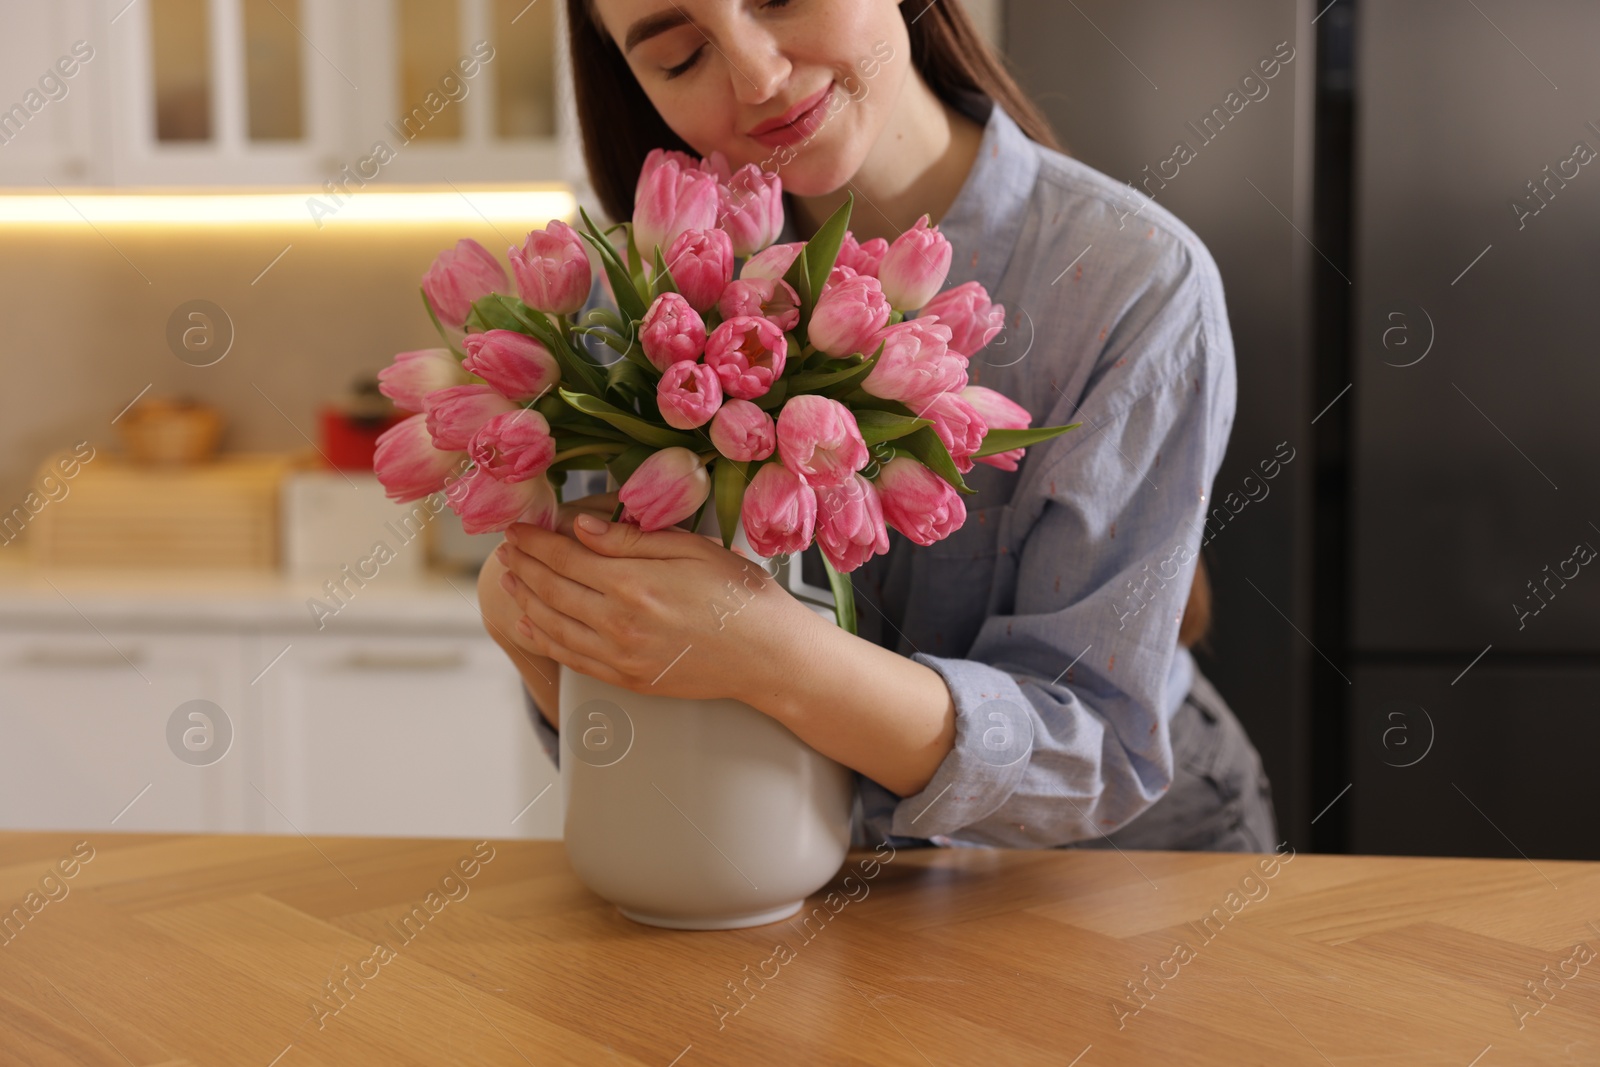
[(760, 69)]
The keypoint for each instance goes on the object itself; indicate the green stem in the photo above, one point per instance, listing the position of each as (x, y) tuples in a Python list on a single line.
[(609, 448)]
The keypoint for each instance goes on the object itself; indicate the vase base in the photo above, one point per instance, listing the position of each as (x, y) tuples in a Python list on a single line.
[(717, 922)]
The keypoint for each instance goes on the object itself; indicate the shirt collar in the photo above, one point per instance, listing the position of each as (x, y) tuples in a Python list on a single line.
[(985, 219)]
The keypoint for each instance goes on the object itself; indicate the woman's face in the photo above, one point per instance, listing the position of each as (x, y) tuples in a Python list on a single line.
[(804, 88)]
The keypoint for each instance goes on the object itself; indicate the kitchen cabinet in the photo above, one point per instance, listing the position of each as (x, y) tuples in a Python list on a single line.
[(50, 96), (379, 725), (374, 735), (208, 93), (83, 737)]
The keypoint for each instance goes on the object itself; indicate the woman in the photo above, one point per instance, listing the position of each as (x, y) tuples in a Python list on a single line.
[(1026, 682)]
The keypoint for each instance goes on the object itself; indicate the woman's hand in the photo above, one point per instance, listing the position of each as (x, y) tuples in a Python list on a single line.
[(666, 611), (501, 611)]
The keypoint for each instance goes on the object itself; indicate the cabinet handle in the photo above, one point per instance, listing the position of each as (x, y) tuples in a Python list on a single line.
[(79, 657), (397, 661)]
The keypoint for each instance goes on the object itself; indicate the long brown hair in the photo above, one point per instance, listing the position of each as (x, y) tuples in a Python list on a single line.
[(620, 126)]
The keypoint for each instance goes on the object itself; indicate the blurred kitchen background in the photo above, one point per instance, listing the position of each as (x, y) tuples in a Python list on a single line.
[(206, 259)]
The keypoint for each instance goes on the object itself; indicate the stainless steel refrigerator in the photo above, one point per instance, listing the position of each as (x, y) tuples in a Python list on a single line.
[(1407, 221)]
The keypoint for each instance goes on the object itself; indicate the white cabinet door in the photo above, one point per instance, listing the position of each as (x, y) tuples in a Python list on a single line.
[(334, 94), (396, 736), (56, 77), (120, 731)]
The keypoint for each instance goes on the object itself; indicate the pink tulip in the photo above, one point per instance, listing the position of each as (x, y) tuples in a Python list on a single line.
[(743, 432), (748, 354), (862, 258), (918, 502), (672, 331), (413, 375), (456, 413), (683, 161), (915, 267), (779, 511), (407, 464), (513, 446), (459, 276), (772, 263), (850, 525), (488, 505), (667, 488), (674, 195), (552, 269), (701, 264), (958, 425), (848, 315), (973, 319), (716, 164), (688, 394), (751, 209), (819, 440), (916, 364), (518, 367), (999, 412), (768, 298)]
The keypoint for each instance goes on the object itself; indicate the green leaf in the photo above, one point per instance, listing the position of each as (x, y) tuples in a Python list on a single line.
[(834, 383), (630, 380), (629, 302), (663, 281), (491, 313), (799, 279), (566, 422), (635, 255), (594, 461), (728, 481), (822, 251), (609, 319), (774, 397), (617, 342), (624, 465), (1005, 440), (637, 428), (437, 325), (567, 441), (844, 594), (925, 446), (885, 426)]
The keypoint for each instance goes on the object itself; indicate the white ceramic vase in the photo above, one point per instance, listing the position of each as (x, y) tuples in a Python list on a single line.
[(699, 814)]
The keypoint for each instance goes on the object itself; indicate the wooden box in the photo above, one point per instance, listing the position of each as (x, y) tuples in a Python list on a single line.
[(116, 513)]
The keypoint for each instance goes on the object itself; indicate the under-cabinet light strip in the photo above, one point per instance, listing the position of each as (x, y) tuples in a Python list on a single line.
[(317, 210)]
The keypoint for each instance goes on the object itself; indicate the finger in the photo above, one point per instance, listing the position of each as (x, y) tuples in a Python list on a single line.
[(624, 539), (602, 504), (567, 515), (552, 646), (535, 580), (539, 553)]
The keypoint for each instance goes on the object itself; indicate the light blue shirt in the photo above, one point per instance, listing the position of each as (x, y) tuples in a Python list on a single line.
[(1052, 614)]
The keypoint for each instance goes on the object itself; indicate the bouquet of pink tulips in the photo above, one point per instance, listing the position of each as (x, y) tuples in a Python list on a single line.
[(797, 397)]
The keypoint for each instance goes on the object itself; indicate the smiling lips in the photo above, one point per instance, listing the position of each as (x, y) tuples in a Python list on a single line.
[(796, 124)]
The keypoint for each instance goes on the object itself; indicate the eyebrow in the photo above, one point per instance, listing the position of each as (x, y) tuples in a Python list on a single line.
[(653, 26)]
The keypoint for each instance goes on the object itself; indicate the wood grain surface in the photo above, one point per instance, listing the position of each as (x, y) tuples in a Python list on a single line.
[(291, 952)]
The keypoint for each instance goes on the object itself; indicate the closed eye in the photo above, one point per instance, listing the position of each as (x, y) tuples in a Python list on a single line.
[(694, 57), (683, 68)]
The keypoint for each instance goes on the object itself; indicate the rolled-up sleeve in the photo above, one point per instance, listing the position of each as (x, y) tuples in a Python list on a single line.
[(1064, 698), (549, 739)]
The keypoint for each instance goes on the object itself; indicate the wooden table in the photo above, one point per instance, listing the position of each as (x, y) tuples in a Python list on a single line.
[(222, 950)]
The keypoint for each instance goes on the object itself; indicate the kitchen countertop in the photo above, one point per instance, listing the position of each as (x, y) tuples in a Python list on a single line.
[(199, 950), (242, 598)]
